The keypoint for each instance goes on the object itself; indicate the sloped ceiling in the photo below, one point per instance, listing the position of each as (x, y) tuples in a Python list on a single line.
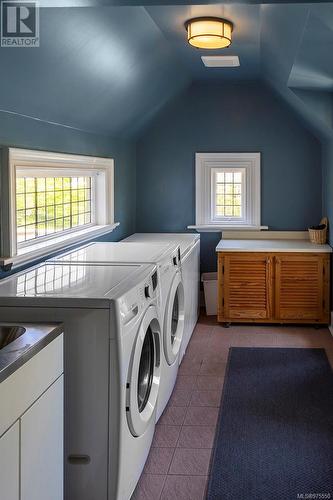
[(104, 70), (108, 69), (296, 48)]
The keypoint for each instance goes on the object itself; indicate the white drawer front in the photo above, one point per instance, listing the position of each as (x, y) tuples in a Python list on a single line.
[(25, 385)]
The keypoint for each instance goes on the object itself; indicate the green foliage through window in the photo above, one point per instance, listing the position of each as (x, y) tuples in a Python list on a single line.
[(49, 205)]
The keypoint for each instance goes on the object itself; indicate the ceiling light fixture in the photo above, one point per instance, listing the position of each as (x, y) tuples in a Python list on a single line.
[(209, 32)]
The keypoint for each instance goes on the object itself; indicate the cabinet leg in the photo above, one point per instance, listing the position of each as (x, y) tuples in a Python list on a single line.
[(227, 324)]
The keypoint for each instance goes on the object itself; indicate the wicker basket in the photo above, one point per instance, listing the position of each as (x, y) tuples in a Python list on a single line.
[(319, 236)]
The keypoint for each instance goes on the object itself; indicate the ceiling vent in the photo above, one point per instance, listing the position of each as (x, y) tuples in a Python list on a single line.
[(220, 61)]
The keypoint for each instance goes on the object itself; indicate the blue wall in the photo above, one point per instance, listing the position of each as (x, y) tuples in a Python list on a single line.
[(230, 117), (327, 164), (24, 132)]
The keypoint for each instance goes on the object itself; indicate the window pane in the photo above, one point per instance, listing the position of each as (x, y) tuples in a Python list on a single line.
[(59, 211), (20, 201), (20, 186), (58, 198), (49, 198), (50, 184), (52, 204), (20, 217), (41, 214), (41, 229), (40, 199), (58, 183), (30, 216), (50, 212), (228, 194), (67, 209), (30, 232), (67, 196), (50, 227), (40, 185), (29, 185), (30, 200)]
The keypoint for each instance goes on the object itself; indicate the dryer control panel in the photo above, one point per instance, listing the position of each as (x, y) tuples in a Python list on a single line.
[(136, 300)]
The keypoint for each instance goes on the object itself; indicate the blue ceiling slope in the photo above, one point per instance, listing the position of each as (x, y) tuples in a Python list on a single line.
[(102, 70), (313, 65), (295, 48), (246, 38)]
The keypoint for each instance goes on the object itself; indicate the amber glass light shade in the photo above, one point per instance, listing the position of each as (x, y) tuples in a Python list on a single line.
[(209, 32)]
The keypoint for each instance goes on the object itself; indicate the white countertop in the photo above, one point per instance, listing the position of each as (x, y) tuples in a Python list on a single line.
[(271, 246)]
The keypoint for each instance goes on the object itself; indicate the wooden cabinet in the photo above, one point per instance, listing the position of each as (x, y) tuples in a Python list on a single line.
[(246, 284), (301, 288), (268, 287)]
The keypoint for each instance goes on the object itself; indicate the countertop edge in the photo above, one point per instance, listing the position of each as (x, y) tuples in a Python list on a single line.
[(267, 245), (271, 250), (31, 352)]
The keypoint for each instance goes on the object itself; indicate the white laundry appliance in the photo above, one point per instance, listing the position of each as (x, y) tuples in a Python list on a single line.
[(166, 257), (190, 263), (112, 355)]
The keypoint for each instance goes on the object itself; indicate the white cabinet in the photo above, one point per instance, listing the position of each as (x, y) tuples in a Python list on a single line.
[(42, 446), (9, 463), (32, 428)]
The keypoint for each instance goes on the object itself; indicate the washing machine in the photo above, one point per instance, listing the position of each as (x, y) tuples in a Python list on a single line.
[(112, 349), (190, 266), (166, 256)]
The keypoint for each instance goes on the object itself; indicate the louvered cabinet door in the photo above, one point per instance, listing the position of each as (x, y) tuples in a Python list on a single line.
[(246, 287), (301, 287)]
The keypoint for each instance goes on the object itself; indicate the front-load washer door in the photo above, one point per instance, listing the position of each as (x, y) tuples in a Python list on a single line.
[(144, 374), (174, 320)]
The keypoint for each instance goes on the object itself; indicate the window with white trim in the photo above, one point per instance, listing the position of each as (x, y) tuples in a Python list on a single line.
[(52, 200), (228, 190)]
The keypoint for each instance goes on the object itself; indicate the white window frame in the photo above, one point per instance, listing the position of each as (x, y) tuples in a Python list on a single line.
[(206, 166), (43, 163)]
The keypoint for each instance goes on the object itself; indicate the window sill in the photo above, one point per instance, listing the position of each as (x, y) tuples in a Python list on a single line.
[(215, 228), (44, 249)]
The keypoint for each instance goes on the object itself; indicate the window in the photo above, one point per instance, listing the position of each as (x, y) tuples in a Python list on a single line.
[(53, 200), (227, 190), (47, 205), (228, 198)]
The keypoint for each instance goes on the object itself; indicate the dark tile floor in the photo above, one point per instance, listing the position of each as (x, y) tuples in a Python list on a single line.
[(178, 463)]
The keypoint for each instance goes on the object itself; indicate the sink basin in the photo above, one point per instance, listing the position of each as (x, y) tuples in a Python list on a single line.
[(9, 333)]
